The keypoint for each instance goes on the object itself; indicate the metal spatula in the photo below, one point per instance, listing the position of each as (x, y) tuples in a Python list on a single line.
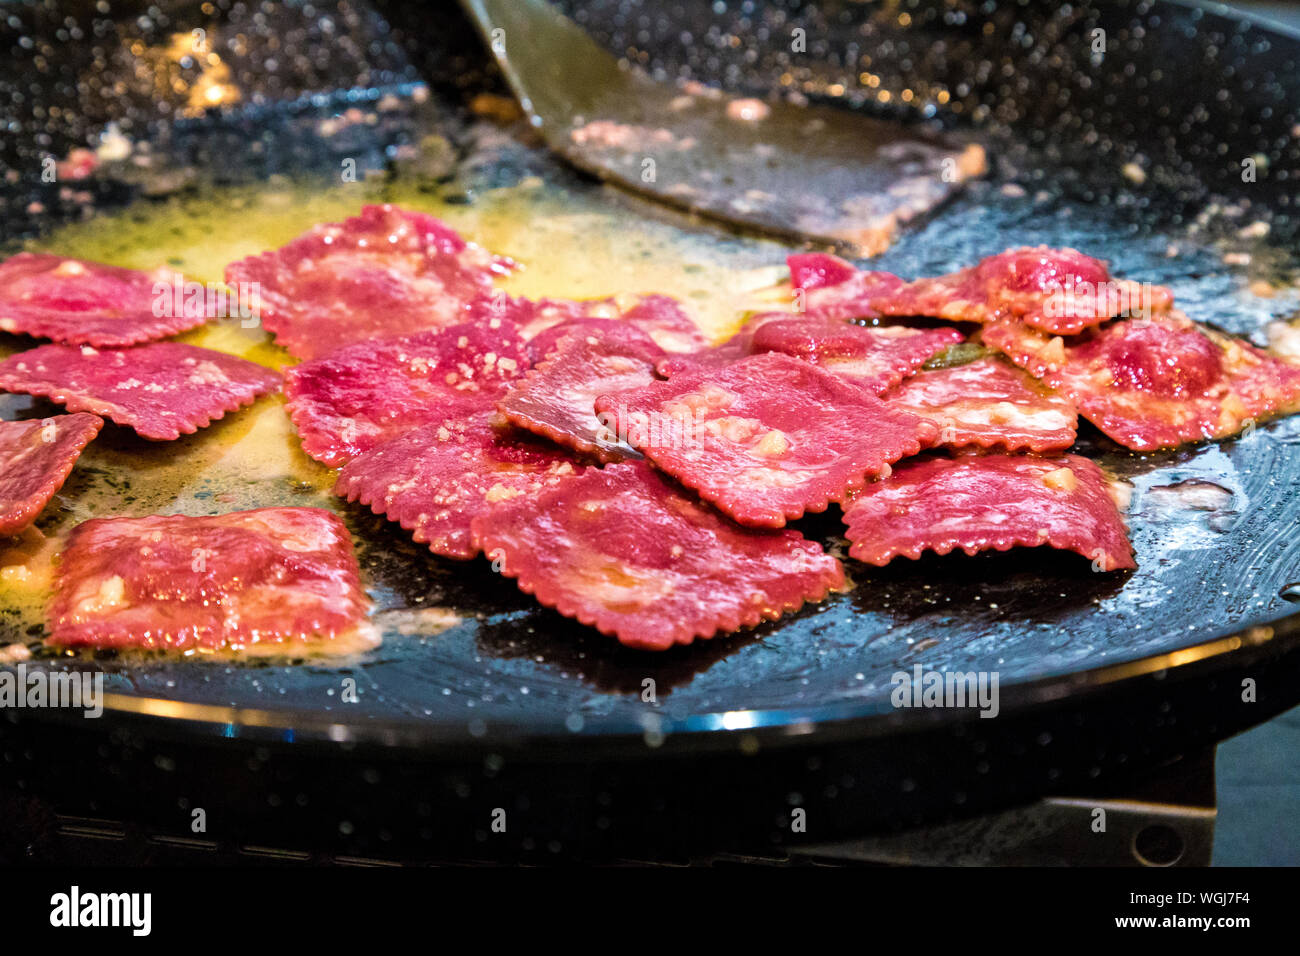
[(807, 172)]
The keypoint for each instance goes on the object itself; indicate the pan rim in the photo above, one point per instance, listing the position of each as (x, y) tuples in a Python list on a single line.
[(663, 735)]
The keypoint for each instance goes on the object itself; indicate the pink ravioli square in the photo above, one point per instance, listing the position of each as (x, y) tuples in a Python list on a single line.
[(364, 394), (1057, 290), (557, 399), (435, 479), (876, 358), (660, 319), (273, 577), (1157, 382), (768, 438), (385, 272), (36, 457), (989, 502), (88, 303), (162, 390), (989, 403), (624, 550)]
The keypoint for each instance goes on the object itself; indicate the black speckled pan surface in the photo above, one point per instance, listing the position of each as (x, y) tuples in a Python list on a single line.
[(1123, 155)]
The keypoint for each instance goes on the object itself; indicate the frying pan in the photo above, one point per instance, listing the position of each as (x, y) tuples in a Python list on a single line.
[(1133, 152)]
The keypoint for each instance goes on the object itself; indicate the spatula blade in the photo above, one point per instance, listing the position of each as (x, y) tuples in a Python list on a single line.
[(809, 172)]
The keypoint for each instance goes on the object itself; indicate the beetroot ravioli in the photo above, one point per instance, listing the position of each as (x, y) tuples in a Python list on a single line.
[(827, 287), (1056, 290), (989, 502), (658, 318), (363, 394), (875, 358), (600, 452), (623, 550), (279, 577), (558, 398), (988, 403), (768, 438), (386, 272), (1158, 382), (435, 479), (614, 333), (87, 303), (162, 390), (35, 459)]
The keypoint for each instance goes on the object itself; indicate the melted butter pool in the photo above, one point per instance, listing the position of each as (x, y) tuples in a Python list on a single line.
[(569, 243)]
